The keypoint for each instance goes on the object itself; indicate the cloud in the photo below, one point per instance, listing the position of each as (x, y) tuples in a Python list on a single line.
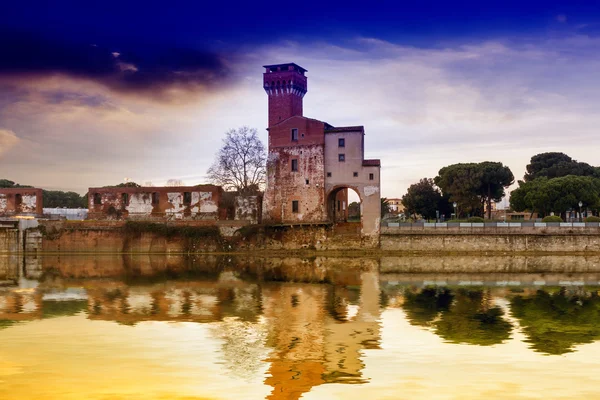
[(139, 70), (562, 18), (8, 140)]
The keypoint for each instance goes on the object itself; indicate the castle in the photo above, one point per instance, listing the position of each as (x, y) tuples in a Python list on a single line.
[(311, 164)]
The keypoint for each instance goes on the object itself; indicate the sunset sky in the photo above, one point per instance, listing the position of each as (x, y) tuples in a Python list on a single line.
[(93, 94)]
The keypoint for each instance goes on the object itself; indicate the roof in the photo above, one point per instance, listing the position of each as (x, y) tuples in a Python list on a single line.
[(371, 163), (274, 66), (302, 116), (359, 128)]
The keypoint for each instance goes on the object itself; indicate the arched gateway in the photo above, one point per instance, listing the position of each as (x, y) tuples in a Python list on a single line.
[(312, 163)]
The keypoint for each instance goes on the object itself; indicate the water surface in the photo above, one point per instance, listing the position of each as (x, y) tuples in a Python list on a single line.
[(227, 328)]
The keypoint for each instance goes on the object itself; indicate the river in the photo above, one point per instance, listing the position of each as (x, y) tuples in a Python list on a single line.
[(225, 327)]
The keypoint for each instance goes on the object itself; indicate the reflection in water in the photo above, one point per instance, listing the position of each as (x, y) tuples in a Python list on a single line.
[(557, 321), (294, 325)]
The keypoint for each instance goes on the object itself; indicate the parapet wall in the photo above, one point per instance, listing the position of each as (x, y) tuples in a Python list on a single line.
[(500, 240)]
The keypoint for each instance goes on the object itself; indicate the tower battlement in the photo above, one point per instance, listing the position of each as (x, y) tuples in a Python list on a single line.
[(286, 85)]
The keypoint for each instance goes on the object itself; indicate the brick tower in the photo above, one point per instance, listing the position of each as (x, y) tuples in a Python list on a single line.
[(286, 86)]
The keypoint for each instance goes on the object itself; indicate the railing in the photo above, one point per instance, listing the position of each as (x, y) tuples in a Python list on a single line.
[(469, 225)]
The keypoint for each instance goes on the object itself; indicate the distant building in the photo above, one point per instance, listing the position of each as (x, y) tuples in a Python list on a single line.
[(396, 206), (312, 164), (21, 202)]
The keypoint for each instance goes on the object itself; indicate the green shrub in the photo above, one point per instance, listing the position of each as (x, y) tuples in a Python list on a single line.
[(475, 219), (592, 219), (552, 218)]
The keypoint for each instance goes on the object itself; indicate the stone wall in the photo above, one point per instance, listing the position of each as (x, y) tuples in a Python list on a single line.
[(518, 240)]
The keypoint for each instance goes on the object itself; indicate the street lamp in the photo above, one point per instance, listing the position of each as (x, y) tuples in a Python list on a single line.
[(580, 204), (454, 205)]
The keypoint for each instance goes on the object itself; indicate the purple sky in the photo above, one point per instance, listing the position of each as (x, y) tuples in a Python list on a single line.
[(150, 100)]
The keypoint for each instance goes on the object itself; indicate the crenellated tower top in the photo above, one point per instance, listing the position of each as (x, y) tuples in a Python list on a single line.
[(285, 85)]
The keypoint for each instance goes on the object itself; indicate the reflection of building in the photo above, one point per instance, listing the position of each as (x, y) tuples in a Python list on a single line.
[(311, 164), (313, 345)]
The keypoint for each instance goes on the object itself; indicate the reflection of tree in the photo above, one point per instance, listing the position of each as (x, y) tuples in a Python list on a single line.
[(554, 323), (423, 307), (243, 346), (64, 308), (5, 323), (472, 319)]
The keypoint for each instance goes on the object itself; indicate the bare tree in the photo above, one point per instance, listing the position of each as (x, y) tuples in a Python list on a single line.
[(240, 163)]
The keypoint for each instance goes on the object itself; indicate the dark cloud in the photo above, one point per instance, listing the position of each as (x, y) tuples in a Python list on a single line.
[(130, 70)]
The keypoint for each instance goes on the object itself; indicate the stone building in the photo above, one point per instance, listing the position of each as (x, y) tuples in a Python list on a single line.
[(21, 201), (163, 203), (312, 164)]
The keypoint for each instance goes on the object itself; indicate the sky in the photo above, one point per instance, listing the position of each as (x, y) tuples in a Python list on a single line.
[(93, 95)]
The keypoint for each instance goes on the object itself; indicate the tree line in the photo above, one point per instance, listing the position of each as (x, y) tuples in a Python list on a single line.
[(471, 186), (553, 183)]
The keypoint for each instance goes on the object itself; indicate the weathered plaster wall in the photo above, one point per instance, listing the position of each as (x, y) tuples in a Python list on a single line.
[(155, 202), (343, 175), (248, 208), (14, 201), (285, 186)]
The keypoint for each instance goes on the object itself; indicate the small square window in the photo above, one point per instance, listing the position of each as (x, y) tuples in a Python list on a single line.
[(294, 135), (355, 174), (307, 181), (341, 142), (341, 157), (371, 177), (294, 165), (329, 174), (295, 206), (97, 199), (187, 198)]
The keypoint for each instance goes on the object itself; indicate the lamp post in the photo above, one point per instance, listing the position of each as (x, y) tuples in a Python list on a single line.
[(455, 215), (580, 204)]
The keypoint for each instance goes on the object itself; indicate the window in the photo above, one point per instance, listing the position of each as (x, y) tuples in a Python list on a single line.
[(355, 174), (124, 200), (97, 199), (329, 174), (294, 165), (187, 198), (371, 177), (341, 142), (339, 205), (155, 198), (295, 206), (294, 135), (341, 157), (18, 200), (307, 181)]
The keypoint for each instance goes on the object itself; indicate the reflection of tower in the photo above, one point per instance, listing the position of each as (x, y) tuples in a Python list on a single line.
[(315, 342), (296, 316), (346, 340)]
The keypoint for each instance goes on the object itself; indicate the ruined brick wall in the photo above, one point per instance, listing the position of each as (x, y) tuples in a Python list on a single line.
[(21, 201), (248, 208), (304, 185), (166, 203)]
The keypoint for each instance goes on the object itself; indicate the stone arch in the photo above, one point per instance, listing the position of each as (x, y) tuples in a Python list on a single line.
[(338, 205), (370, 207)]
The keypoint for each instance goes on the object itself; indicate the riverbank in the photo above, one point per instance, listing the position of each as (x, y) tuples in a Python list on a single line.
[(119, 237)]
